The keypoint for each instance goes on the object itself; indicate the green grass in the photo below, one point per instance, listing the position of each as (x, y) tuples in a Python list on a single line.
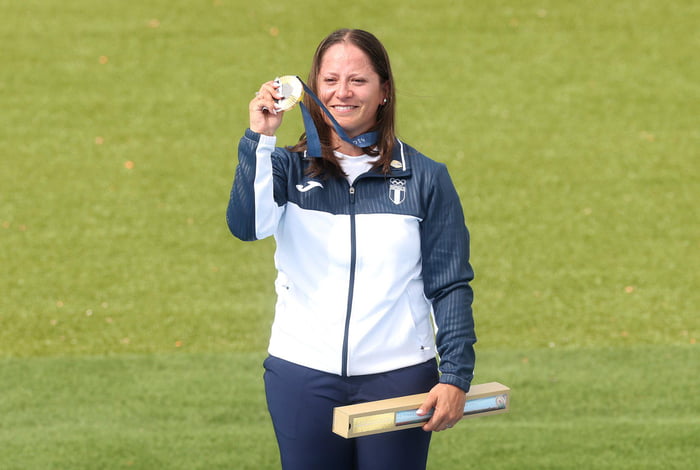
[(156, 411), (132, 325), (617, 408)]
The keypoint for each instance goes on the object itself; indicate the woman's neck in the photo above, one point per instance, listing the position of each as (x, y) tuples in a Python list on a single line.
[(346, 148)]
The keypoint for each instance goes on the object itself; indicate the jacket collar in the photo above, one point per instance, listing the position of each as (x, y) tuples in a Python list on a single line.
[(400, 166), (399, 163)]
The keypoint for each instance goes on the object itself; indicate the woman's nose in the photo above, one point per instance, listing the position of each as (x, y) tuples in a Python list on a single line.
[(343, 90)]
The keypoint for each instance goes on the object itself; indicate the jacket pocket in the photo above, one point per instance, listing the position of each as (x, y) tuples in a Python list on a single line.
[(421, 316)]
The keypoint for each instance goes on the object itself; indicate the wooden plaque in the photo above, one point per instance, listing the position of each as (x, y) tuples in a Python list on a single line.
[(399, 413)]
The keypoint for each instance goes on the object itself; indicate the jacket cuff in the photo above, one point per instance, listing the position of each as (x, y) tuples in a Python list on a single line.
[(456, 381), (254, 136), (260, 138)]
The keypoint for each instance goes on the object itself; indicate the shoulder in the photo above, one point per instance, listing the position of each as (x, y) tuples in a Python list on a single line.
[(418, 161)]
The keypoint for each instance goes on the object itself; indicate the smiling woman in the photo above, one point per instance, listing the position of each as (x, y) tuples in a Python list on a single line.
[(350, 66), (353, 92), (371, 241)]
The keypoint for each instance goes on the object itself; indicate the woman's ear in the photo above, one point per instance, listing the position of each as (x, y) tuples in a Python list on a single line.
[(385, 89)]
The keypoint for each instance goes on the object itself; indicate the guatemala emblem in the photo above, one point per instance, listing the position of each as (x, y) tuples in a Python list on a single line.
[(397, 190)]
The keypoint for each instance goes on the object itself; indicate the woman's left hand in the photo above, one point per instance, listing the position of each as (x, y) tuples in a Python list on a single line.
[(448, 404)]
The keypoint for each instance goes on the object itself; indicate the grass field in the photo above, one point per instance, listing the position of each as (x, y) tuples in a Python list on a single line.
[(133, 326)]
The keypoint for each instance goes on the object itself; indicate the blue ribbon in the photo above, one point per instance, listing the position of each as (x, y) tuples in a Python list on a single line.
[(313, 143)]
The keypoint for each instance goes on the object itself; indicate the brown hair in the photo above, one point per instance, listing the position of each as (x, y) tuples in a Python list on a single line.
[(370, 45)]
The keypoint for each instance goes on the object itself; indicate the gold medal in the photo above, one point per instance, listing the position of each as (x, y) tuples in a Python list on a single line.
[(291, 89)]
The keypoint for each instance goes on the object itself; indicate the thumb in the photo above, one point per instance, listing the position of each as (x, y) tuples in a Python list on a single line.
[(427, 405)]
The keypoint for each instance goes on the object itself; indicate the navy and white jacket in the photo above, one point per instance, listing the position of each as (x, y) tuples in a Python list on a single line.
[(361, 268)]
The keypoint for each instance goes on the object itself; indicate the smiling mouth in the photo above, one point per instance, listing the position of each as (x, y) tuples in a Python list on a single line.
[(343, 108)]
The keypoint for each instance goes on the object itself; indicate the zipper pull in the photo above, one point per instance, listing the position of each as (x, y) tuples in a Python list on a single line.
[(352, 194)]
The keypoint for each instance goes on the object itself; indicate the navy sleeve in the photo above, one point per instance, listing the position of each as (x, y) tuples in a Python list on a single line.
[(447, 274), (240, 213), (258, 194)]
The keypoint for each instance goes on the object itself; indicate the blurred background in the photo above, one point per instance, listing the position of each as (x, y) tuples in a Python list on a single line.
[(133, 325)]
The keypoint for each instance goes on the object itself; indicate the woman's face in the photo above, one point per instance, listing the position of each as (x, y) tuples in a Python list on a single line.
[(350, 88)]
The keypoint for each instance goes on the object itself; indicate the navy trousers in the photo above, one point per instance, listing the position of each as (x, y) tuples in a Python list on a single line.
[(301, 402)]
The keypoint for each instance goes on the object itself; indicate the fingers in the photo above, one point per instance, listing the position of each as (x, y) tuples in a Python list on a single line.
[(441, 421), (438, 421), (447, 403), (264, 100), (264, 117)]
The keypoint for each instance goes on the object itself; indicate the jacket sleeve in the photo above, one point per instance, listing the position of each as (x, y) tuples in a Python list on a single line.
[(447, 274), (257, 201)]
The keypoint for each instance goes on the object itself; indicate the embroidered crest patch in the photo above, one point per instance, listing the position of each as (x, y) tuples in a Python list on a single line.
[(397, 190)]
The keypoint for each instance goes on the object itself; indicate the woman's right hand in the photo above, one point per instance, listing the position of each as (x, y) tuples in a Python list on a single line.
[(264, 118)]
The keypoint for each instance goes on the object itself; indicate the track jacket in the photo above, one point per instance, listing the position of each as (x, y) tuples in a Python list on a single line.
[(361, 268)]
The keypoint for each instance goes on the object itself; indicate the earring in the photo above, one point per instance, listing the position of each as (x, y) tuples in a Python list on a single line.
[(384, 100)]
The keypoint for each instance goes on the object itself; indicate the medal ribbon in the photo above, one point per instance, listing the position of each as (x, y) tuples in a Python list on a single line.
[(313, 143)]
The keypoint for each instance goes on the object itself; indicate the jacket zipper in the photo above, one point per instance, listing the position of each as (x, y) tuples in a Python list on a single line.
[(351, 282)]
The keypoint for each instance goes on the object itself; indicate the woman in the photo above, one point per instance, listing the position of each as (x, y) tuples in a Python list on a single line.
[(370, 240)]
